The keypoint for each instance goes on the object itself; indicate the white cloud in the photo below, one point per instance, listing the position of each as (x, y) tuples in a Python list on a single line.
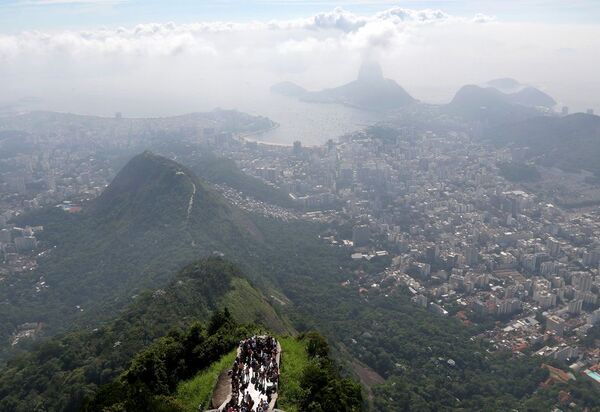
[(60, 2), (207, 64)]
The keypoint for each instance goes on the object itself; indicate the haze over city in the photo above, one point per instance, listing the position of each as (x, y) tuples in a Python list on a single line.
[(299, 205), (98, 57)]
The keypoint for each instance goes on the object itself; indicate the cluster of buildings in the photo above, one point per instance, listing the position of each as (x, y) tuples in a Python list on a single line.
[(42, 178), (430, 206), (459, 237), (53, 159)]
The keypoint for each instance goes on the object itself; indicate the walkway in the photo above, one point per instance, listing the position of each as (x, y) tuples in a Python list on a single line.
[(254, 377)]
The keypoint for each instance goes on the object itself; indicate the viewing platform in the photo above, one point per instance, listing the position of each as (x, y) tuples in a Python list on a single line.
[(252, 383)]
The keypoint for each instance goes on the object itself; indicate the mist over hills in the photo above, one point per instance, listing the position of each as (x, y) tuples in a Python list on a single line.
[(370, 91), (505, 84), (489, 105), (288, 89), (571, 143), (517, 92), (411, 213), (497, 101), (106, 133), (533, 97)]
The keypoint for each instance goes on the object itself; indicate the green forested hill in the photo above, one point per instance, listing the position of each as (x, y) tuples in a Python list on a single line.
[(58, 374), (224, 171), (154, 217)]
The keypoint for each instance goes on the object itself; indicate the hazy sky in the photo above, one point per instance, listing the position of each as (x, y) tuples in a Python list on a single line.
[(163, 57)]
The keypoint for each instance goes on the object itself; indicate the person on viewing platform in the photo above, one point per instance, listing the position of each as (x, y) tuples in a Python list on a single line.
[(254, 373)]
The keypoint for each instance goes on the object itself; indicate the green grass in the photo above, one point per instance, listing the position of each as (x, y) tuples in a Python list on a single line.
[(293, 360), (199, 389), (248, 305)]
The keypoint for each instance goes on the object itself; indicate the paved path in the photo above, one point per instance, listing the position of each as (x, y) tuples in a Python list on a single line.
[(191, 202), (222, 390), (224, 383)]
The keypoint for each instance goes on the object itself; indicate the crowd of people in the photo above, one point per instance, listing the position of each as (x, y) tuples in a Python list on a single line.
[(254, 375)]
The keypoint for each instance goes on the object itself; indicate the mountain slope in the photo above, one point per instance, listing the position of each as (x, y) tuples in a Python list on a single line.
[(571, 142), (178, 373), (532, 97), (219, 170), (154, 217), (58, 374), (288, 89), (487, 105), (505, 84), (518, 93), (370, 91)]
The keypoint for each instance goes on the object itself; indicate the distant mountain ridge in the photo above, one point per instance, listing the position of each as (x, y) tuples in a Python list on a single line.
[(519, 93), (533, 97), (487, 105), (570, 143), (370, 91), (505, 84), (288, 89)]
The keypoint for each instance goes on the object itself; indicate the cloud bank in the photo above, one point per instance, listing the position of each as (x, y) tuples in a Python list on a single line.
[(165, 68)]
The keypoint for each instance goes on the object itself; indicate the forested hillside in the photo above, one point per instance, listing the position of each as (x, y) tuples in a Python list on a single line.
[(161, 375), (154, 217), (60, 373)]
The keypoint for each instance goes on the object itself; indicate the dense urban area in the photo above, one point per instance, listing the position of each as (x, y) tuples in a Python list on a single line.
[(436, 209), (299, 206)]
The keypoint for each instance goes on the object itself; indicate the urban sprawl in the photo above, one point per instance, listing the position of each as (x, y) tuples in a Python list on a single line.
[(455, 234)]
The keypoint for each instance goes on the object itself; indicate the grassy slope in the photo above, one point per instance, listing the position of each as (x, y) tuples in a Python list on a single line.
[(248, 305), (293, 360), (198, 390), (80, 361)]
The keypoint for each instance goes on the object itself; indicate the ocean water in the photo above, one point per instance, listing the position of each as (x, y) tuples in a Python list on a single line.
[(311, 123)]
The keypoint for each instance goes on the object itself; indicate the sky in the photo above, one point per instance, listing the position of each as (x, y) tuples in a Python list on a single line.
[(155, 57)]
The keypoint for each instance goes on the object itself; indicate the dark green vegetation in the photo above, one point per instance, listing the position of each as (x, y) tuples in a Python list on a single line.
[(571, 143), (320, 388), (156, 376), (309, 379), (519, 172), (592, 337), (150, 382), (583, 391), (199, 389), (60, 373)]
